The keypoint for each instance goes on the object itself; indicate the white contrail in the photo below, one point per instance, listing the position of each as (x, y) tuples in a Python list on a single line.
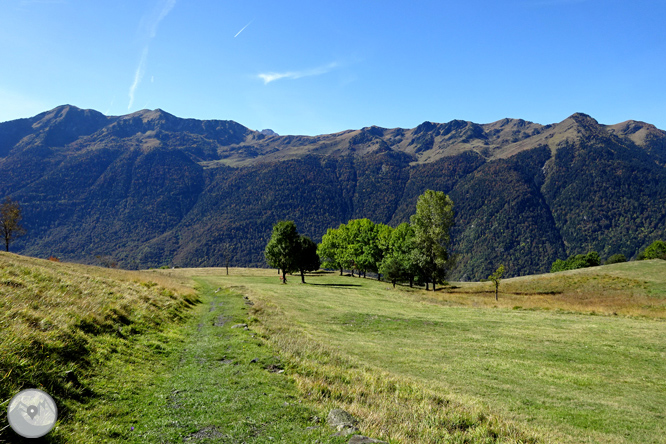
[(138, 75), (153, 23), (243, 29), (272, 76)]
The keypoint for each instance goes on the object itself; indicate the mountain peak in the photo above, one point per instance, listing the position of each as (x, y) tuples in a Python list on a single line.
[(582, 118), (150, 115)]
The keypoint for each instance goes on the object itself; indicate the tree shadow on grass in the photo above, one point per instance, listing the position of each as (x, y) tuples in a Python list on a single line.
[(337, 285)]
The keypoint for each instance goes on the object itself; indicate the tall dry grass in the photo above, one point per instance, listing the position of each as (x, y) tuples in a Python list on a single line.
[(59, 321)]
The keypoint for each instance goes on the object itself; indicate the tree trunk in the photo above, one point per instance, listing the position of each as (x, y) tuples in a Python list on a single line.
[(352, 272), (302, 277), (496, 291), (284, 278), (427, 287), (393, 283), (340, 271), (227, 268), (411, 282), (433, 283)]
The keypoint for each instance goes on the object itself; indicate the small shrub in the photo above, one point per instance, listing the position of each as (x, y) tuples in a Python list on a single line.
[(616, 259), (590, 259), (656, 250)]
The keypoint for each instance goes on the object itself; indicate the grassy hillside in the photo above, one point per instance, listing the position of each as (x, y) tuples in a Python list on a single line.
[(61, 324), (141, 357), (636, 288), (459, 367)]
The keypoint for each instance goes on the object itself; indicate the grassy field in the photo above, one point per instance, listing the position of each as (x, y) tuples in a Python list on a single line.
[(582, 361), (142, 357), (629, 288), (61, 324), (573, 357)]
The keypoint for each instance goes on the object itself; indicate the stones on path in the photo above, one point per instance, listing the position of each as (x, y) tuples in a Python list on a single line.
[(360, 439), (345, 424), (220, 321), (205, 433)]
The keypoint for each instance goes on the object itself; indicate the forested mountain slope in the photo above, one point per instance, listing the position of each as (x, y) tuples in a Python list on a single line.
[(150, 189)]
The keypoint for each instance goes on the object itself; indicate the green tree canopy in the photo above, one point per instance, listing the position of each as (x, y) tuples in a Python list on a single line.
[(432, 235), (283, 249), (331, 249), (398, 263), (392, 269), (307, 260), (10, 221), (496, 278), (590, 259), (616, 259), (656, 250), (361, 249)]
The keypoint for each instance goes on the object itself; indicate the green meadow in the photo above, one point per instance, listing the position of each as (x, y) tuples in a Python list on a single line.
[(562, 373), (572, 357)]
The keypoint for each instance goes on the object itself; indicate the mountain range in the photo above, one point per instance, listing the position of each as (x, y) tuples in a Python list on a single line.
[(149, 189)]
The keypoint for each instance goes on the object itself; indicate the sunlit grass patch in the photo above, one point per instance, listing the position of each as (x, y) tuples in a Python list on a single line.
[(547, 372), (630, 289), (60, 322)]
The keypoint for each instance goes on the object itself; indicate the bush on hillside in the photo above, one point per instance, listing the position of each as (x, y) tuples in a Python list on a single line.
[(615, 259), (656, 250), (590, 259)]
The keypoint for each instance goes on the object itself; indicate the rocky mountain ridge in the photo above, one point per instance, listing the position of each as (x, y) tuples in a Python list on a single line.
[(151, 189)]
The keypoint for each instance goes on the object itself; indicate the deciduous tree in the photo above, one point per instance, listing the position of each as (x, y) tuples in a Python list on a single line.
[(495, 278), (432, 235), (282, 250), (10, 221), (656, 250), (330, 250), (307, 260)]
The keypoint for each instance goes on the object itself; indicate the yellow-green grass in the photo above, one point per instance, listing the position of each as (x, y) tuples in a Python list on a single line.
[(203, 381), (405, 360), (60, 323), (630, 288)]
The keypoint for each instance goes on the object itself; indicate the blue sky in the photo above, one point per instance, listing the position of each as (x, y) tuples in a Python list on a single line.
[(315, 67)]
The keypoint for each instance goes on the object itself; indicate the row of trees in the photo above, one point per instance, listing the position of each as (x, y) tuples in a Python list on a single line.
[(419, 250)]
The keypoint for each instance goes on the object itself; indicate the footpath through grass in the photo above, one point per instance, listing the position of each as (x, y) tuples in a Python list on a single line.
[(220, 384), (571, 377), (129, 360)]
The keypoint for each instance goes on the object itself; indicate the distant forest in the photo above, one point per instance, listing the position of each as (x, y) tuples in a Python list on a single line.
[(149, 189)]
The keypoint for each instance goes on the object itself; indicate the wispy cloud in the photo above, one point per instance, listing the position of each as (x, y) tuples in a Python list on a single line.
[(243, 28), (138, 76), (273, 76), (149, 23)]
